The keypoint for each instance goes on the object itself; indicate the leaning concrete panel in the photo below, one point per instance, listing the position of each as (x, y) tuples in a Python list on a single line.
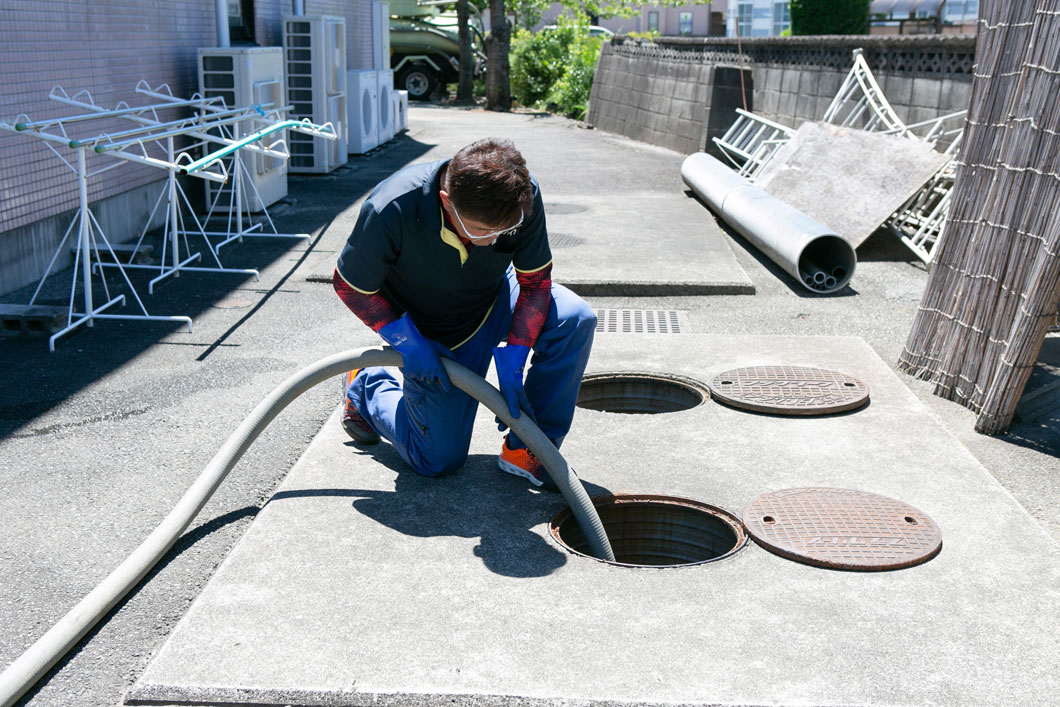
[(850, 180), (362, 583)]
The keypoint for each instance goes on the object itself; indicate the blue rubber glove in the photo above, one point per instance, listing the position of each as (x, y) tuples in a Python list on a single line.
[(422, 357), (510, 360)]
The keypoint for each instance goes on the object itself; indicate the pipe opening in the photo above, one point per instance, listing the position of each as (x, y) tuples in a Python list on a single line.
[(826, 264), (639, 393), (648, 530)]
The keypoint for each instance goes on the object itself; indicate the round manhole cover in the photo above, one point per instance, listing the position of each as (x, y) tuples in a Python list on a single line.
[(842, 529), (232, 303), (650, 530), (564, 240), (555, 209), (789, 390)]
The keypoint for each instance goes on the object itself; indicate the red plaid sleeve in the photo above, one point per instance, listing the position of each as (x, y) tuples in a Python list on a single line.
[(528, 317), (375, 310)]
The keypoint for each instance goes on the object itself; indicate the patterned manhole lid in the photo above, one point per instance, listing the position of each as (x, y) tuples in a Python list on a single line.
[(564, 240), (842, 529), (789, 390)]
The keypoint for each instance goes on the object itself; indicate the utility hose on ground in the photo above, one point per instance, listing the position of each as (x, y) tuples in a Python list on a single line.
[(49, 648)]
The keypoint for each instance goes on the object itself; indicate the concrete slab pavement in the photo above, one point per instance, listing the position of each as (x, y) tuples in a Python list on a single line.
[(363, 583), (619, 219)]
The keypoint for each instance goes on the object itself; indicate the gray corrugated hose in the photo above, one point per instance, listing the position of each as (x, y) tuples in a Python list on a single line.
[(42, 655)]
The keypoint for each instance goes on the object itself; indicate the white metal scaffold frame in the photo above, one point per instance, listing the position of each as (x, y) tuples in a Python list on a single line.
[(172, 262), (241, 180), (151, 131)]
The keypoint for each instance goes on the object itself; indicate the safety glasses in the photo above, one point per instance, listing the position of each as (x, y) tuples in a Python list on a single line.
[(492, 234)]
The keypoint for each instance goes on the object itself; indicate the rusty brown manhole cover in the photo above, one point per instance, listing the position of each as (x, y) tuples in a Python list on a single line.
[(842, 529), (789, 390)]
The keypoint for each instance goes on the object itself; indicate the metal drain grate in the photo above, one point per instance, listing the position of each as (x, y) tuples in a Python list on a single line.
[(640, 321), (564, 240)]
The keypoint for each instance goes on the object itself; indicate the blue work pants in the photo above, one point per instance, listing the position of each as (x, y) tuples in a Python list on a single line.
[(431, 429)]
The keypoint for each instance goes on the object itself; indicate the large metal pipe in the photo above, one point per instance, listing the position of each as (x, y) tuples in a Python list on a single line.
[(808, 250), (298, 7), (221, 12)]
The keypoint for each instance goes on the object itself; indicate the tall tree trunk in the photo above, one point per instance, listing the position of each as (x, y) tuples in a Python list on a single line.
[(464, 87), (498, 88)]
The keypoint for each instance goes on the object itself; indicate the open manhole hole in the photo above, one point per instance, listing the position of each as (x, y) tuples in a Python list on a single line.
[(647, 530), (639, 393)]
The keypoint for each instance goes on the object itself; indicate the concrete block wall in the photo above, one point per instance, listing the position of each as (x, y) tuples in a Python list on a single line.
[(105, 47), (652, 100), (795, 79)]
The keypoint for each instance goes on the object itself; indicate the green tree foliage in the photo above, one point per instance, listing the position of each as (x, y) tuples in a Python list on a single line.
[(527, 13), (554, 68), (829, 16)]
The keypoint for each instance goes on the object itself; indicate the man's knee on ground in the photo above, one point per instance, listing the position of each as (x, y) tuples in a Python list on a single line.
[(439, 464), (582, 316)]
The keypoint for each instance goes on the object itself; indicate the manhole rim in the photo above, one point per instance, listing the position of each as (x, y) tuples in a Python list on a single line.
[(688, 383), (728, 517)]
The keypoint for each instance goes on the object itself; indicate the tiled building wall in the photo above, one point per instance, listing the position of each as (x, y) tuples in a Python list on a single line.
[(639, 89), (104, 47)]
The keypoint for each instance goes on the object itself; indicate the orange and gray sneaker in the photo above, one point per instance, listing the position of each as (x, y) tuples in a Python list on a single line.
[(352, 422), (522, 462)]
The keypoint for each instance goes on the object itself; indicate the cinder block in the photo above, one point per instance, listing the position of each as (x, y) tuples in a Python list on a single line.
[(926, 92), (806, 107), (956, 95), (684, 90), (789, 82), (808, 79), (786, 109), (898, 89), (829, 83), (769, 78), (767, 101)]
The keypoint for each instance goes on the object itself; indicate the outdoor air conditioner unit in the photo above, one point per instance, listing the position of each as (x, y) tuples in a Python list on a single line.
[(401, 113), (387, 123), (247, 76), (314, 48), (362, 124), (380, 35)]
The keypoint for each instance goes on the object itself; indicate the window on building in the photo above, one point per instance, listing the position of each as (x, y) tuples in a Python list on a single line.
[(781, 18), (684, 23), (961, 10), (744, 12), (241, 20), (653, 21)]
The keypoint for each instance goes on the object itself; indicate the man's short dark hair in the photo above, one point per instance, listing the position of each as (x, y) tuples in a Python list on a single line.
[(488, 181)]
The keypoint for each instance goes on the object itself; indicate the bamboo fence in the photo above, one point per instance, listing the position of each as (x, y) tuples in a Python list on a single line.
[(994, 287)]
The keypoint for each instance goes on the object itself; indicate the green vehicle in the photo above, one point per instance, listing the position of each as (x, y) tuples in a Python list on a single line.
[(425, 49)]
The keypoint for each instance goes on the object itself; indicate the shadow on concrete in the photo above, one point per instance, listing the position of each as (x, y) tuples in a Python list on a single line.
[(815, 416), (36, 381), (478, 501), (186, 542)]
